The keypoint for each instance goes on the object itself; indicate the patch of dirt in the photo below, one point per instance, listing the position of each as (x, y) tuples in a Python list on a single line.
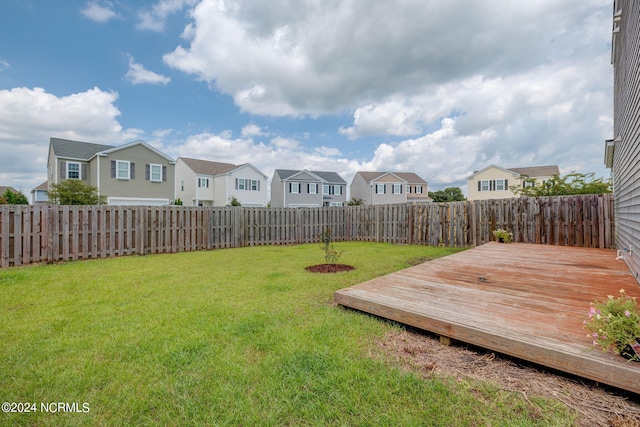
[(329, 268), (597, 405)]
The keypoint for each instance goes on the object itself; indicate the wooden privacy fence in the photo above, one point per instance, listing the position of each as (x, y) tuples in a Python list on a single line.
[(51, 233)]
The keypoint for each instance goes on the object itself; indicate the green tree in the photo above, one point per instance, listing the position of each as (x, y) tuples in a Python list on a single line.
[(233, 201), (74, 192), (572, 183), (13, 198), (449, 194), (354, 202)]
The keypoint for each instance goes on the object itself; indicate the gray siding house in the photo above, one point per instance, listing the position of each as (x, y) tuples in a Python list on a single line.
[(622, 152), (303, 188), (129, 174), (379, 188)]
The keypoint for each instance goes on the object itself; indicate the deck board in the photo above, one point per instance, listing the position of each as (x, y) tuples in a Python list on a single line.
[(524, 300)]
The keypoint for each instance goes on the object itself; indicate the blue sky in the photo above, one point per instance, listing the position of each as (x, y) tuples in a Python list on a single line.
[(436, 88)]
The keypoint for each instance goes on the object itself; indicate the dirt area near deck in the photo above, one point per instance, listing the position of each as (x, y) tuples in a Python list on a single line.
[(597, 405)]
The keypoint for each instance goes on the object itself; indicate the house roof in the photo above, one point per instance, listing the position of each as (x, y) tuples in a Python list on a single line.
[(329, 177), (206, 167), (534, 171), (43, 186), (4, 188), (531, 171), (76, 149), (79, 150), (409, 177)]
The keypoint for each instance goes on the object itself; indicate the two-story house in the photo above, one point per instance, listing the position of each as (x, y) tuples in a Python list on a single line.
[(493, 182), (303, 188), (378, 188), (207, 183), (130, 174)]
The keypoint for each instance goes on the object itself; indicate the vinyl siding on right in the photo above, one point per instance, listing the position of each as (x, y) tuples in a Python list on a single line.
[(626, 118)]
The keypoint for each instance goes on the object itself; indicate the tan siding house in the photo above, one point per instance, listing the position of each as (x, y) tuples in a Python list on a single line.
[(130, 174), (378, 188), (493, 182), (622, 152)]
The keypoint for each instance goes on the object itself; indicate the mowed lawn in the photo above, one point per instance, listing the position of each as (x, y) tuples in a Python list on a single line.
[(236, 337)]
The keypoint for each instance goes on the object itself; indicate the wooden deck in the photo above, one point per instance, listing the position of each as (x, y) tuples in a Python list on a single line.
[(524, 300)]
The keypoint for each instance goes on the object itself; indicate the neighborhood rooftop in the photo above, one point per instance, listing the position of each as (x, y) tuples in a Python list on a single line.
[(76, 149), (407, 176), (207, 167)]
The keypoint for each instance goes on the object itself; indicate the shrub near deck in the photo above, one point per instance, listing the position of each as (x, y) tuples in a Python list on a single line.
[(230, 337)]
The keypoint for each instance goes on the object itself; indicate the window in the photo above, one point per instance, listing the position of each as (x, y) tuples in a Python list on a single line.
[(418, 189), (294, 187), (326, 189), (527, 184), (155, 173), (397, 188), (241, 184), (73, 170), (335, 204), (203, 182), (255, 185), (501, 184), (380, 189), (337, 189), (484, 185), (313, 188), (122, 169), (182, 185)]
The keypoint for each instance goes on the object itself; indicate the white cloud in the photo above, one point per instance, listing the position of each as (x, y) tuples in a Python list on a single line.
[(4, 65), (292, 57), (97, 12), (154, 19), (252, 130), (31, 116), (137, 74)]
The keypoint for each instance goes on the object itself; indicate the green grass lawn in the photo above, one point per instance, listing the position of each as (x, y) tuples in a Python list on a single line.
[(228, 337)]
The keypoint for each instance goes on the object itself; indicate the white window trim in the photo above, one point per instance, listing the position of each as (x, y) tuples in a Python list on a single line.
[(151, 167), (295, 188), (118, 163), (204, 181), (326, 189), (313, 188), (337, 190), (254, 187), (482, 185), (418, 189), (79, 170), (500, 185), (397, 189), (380, 189)]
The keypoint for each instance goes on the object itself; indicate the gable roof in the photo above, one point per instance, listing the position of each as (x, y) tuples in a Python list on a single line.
[(76, 149), (534, 171), (329, 177), (79, 150), (4, 188), (132, 144), (409, 177), (206, 167), (531, 171), (43, 186)]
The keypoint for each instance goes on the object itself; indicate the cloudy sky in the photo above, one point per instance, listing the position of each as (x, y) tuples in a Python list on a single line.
[(440, 88)]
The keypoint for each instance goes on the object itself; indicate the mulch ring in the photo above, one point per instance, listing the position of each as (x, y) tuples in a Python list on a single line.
[(329, 268)]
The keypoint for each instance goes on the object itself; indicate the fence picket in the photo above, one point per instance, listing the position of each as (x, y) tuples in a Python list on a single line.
[(51, 233)]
